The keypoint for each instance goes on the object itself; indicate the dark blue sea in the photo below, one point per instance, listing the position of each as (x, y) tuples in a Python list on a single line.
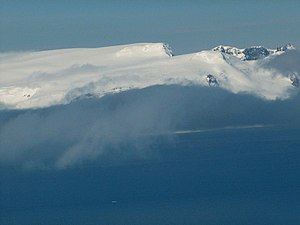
[(236, 176)]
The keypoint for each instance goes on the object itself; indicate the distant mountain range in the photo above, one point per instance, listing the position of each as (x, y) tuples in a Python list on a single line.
[(253, 52)]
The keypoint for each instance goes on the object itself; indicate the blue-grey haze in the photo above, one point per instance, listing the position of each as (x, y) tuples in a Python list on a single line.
[(188, 26)]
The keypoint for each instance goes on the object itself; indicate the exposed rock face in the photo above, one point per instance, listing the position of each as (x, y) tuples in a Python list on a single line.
[(229, 50), (286, 47), (255, 52), (168, 49), (212, 81), (295, 80)]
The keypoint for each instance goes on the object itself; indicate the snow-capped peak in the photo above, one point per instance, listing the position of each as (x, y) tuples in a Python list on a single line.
[(147, 49), (229, 50), (286, 47), (253, 52)]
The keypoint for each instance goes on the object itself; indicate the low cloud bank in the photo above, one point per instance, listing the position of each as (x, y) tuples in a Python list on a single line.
[(286, 63), (124, 126)]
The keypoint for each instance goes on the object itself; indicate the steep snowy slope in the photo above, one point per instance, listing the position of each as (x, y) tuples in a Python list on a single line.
[(45, 78)]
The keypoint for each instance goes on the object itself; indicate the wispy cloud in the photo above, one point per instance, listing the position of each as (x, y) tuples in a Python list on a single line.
[(114, 128)]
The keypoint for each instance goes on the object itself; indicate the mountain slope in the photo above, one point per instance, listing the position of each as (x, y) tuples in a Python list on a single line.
[(45, 78)]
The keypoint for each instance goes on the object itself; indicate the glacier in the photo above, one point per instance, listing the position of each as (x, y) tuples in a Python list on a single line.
[(39, 79)]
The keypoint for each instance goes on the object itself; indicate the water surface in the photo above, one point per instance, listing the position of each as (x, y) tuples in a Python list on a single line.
[(227, 176)]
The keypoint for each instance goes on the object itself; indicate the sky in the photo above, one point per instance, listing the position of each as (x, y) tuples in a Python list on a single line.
[(187, 26)]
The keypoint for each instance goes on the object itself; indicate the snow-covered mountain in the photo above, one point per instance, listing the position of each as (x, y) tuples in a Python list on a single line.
[(45, 78), (253, 52)]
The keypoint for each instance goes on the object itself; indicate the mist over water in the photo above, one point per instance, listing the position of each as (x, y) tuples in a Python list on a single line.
[(122, 126)]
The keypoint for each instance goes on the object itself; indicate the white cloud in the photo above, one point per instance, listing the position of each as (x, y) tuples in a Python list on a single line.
[(117, 127)]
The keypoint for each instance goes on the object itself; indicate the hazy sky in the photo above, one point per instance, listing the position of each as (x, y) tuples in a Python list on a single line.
[(186, 25)]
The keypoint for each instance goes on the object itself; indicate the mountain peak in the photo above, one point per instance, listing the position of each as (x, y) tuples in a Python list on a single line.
[(146, 49), (286, 47), (253, 52), (229, 50)]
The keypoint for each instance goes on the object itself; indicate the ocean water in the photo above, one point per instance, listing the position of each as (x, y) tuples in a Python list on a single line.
[(217, 177)]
